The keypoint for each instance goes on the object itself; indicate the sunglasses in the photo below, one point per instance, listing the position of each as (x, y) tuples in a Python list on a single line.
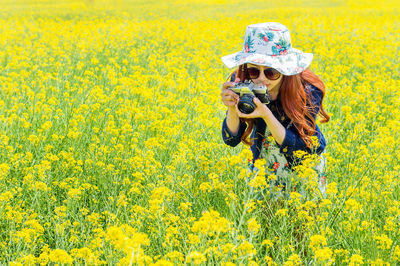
[(270, 73)]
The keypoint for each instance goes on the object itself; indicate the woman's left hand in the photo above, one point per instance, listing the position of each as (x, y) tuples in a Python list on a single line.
[(261, 110)]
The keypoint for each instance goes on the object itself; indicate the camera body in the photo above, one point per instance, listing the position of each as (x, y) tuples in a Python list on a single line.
[(247, 90)]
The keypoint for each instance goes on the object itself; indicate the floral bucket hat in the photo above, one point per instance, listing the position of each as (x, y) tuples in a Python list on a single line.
[(269, 44)]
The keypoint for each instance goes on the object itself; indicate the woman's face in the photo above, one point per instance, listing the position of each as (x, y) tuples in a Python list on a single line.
[(272, 85)]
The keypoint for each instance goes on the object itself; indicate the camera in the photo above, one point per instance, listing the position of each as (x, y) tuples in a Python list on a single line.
[(247, 90)]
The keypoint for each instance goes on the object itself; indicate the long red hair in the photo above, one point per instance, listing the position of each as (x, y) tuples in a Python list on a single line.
[(294, 102)]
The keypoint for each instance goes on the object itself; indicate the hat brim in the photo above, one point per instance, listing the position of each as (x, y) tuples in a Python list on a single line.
[(288, 64)]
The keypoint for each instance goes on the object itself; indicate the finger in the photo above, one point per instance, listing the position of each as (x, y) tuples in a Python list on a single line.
[(230, 103), (228, 98), (234, 94), (257, 101), (227, 85), (231, 94), (235, 97), (240, 114), (227, 92)]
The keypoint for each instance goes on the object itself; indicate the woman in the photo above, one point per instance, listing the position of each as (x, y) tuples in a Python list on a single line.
[(287, 123)]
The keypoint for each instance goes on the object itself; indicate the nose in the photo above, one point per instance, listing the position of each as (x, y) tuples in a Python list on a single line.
[(262, 75), (262, 78)]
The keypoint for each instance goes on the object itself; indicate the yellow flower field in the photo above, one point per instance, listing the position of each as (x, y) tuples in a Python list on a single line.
[(110, 135)]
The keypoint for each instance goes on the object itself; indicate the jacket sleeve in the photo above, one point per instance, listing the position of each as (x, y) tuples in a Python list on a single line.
[(293, 141), (228, 137)]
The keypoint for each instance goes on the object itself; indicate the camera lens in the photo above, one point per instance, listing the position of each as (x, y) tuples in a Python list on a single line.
[(246, 104)]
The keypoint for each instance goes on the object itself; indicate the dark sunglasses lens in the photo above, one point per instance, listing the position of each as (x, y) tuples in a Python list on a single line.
[(253, 72), (272, 74)]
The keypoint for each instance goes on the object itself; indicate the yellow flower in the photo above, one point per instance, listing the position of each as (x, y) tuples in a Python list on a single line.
[(33, 139), (60, 256), (122, 201), (325, 203), (74, 193), (294, 259), (34, 224), (378, 262), (299, 154), (282, 212), (316, 241), (47, 125), (28, 260), (195, 257), (228, 264), (4, 169), (205, 187), (383, 241), (315, 141), (253, 226), (353, 205), (268, 243), (396, 253), (356, 259), (193, 239), (269, 261), (94, 61), (211, 223), (331, 188), (246, 249), (126, 238), (258, 181), (250, 206), (6, 196), (228, 247), (60, 211), (390, 224), (324, 255), (175, 255)]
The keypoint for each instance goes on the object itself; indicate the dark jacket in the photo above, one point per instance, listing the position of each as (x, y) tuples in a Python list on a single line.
[(292, 141)]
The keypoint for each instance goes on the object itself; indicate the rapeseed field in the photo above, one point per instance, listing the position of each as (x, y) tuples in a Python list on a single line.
[(110, 135)]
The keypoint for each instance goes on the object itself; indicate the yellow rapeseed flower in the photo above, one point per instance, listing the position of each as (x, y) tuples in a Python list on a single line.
[(356, 259), (253, 226), (210, 223), (60, 256), (324, 255), (317, 241), (195, 257)]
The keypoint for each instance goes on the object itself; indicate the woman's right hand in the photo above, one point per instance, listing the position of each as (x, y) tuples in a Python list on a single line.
[(228, 97)]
